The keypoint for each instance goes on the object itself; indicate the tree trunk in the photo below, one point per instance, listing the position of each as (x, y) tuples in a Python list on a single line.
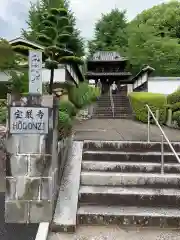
[(51, 81)]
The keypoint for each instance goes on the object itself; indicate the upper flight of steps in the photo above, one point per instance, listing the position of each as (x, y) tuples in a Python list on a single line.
[(122, 108), (121, 183)]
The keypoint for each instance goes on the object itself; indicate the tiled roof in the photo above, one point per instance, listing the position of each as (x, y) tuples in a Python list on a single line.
[(107, 56), (164, 78), (108, 74)]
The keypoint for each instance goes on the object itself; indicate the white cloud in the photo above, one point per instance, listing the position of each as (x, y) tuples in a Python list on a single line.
[(14, 13)]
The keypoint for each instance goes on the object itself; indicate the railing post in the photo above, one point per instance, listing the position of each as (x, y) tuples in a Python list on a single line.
[(148, 126), (162, 154)]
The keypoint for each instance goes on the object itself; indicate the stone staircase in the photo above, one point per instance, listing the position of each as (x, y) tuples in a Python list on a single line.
[(103, 108), (122, 108), (121, 184)]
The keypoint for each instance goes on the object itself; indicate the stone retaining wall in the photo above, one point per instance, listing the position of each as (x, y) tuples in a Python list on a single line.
[(33, 169)]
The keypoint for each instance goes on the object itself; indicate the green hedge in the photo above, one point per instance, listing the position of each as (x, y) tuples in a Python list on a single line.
[(155, 101), (176, 117), (174, 107), (68, 107), (173, 97)]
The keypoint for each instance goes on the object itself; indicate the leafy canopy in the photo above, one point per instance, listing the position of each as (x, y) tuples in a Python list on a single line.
[(38, 12), (110, 32)]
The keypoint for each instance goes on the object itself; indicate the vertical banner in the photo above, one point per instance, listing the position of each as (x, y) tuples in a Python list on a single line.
[(35, 72)]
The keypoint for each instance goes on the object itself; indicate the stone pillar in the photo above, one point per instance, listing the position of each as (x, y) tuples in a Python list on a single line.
[(31, 167), (169, 118), (129, 88)]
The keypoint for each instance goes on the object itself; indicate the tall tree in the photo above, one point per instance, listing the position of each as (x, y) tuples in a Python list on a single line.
[(165, 18), (35, 19), (110, 32), (154, 37), (7, 56), (55, 41)]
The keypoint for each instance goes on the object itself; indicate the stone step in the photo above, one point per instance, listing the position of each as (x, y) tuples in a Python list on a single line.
[(125, 196), (135, 167), (150, 180), (129, 146), (129, 216), (116, 156), (111, 117)]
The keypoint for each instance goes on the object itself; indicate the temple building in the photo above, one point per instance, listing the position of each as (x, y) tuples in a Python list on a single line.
[(109, 67)]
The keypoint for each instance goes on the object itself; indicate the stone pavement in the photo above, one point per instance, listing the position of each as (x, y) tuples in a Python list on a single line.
[(116, 233), (120, 130)]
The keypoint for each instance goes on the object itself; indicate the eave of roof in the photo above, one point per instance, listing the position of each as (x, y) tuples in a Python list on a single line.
[(147, 69), (108, 74)]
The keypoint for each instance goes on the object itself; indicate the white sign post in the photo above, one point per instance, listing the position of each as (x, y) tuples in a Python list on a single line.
[(35, 72), (29, 120)]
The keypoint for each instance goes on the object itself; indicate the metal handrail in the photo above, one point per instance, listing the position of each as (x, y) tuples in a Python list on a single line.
[(163, 137), (112, 101)]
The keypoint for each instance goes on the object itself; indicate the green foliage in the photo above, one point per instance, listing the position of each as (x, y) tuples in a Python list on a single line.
[(71, 60), (174, 97), (164, 17), (175, 107), (82, 95), (3, 90), (3, 111), (152, 38), (67, 107), (19, 82), (94, 93), (176, 117), (38, 13), (155, 101), (7, 56), (64, 125), (110, 32), (160, 53), (54, 40)]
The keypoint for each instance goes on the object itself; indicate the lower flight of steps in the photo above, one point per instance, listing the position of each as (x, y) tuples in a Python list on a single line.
[(121, 183)]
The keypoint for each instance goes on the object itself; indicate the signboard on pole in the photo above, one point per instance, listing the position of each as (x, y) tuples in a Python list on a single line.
[(35, 72), (29, 120)]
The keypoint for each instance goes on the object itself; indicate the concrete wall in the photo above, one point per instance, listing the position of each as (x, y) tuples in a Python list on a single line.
[(165, 85)]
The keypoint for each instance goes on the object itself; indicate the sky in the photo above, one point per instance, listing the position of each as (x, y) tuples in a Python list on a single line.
[(14, 13)]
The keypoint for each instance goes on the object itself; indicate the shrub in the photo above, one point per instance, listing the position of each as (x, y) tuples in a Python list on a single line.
[(3, 90), (174, 97), (19, 82), (3, 111), (67, 107), (80, 96), (94, 93), (155, 101), (64, 125), (175, 107), (176, 117)]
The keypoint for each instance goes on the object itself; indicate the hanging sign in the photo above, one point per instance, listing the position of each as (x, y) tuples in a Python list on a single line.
[(35, 72)]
